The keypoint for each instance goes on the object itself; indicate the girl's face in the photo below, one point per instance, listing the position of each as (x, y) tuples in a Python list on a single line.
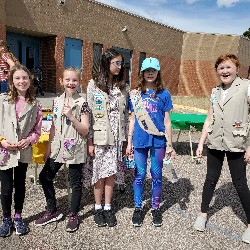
[(227, 71), (21, 81), (150, 75), (70, 81), (115, 65)]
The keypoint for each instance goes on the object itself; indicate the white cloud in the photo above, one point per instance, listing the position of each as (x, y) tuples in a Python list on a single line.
[(227, 3)]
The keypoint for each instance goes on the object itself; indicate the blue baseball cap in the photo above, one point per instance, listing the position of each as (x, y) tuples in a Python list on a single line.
[(150, 62)]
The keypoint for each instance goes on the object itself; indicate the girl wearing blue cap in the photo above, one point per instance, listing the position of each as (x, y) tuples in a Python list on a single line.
[(149, 127)]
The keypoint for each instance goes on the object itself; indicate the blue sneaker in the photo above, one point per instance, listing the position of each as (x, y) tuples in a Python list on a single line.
[(20, 227), (5, 227)]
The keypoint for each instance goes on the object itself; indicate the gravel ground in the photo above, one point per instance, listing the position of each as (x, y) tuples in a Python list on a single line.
[(180, 205)]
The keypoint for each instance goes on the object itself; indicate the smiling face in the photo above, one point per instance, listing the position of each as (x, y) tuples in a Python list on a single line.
[(227, 71), (150, 75), (21, 81), (70, 81)]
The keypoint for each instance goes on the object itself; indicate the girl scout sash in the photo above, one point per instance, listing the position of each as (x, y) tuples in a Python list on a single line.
[(144, 119)]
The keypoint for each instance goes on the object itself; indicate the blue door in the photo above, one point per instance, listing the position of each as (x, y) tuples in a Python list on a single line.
[(73, 54), (25, 48)]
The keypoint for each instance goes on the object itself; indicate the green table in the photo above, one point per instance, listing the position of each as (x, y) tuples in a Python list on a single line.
[(184, 122)]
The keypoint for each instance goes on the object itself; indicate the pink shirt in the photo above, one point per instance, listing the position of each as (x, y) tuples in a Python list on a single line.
[(34, 135)]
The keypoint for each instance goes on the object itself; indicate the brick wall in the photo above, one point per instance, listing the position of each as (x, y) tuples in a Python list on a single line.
[(2, 32), (186, 59), (199, 53), (87, 62)]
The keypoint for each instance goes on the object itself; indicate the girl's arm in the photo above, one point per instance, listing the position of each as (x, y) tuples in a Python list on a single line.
[(82, 126), (130, 133), (34, 135), (168, 129), (90, 100), (51, 136), (7, 58), (204, 132)]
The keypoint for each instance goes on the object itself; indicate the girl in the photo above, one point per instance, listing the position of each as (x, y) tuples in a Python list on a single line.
[(150, 105), (66, 145), (107, 97), (6, 63), (20, 127), (227, 131)]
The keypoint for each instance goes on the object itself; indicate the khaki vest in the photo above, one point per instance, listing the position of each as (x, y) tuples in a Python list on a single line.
[(229, 127), (65, 134), (14, 130), (98, 101)]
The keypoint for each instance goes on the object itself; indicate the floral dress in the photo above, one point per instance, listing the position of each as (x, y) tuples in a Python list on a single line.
[(108, 159)]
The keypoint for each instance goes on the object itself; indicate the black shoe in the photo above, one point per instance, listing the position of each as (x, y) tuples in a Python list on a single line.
[(157, 217), (137, 217), (99, 218), (110, 218)]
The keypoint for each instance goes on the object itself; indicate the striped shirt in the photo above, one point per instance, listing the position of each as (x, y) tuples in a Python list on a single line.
[(4, 67)]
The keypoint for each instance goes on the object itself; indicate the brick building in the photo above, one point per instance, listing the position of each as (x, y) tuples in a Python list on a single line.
[(54, 34)]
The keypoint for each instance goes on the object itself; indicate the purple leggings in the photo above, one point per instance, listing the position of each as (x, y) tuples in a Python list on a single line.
[(156, 159)]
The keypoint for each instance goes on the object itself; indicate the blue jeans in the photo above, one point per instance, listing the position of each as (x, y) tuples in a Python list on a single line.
[(156, 159), (3, 86)]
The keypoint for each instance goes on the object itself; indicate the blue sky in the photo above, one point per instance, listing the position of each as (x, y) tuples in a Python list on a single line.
[(209, 16)]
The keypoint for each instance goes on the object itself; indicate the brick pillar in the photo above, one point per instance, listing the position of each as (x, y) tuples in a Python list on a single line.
[(87, 64), (59, 61), (2, 32), (134, 69)]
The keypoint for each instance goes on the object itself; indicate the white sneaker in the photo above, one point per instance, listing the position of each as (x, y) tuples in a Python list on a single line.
[(246, 236), (200, 223)]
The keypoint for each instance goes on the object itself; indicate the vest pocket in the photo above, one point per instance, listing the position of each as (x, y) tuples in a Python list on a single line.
[(69, 148), (240, 135), (99, 134)]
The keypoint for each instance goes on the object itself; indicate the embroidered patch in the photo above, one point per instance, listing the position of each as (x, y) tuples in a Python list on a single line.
[(237, 124), (99, 115)]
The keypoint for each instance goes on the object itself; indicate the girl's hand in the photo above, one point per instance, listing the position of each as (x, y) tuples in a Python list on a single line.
[(67, 111), (91, 150), (8, 145), (24, 143), (199, 151), (129, 150), (171, 154), (247, 155)]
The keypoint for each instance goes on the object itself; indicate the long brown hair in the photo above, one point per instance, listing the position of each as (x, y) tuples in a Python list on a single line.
[(12, 91)]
